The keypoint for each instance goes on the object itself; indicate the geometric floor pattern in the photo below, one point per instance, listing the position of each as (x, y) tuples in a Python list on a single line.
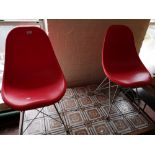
[(85, 115)]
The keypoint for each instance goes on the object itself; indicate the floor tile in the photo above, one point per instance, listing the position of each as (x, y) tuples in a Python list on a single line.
[(120, 125), (69, 104), (54, 125), (137, 120), (37, 127), (93, 114), (102, 98), (50, 110), (102, 128), (125, 106), (114, 112), (86, 101), (69, 93), (75, 118), (81, 91)]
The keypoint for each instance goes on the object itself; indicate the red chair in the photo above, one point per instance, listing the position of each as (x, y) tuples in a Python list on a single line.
[(120, 60), (32, 75)]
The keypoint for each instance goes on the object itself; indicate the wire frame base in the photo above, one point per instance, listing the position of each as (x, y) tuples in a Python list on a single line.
[(21, 131), (107, 84)]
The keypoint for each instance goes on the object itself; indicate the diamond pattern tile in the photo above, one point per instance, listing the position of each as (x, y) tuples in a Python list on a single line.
[(138, 120), (120, 125), (86, 101), (54, 125), (102, 128), (75, 118), (93, 114), (69, 105)]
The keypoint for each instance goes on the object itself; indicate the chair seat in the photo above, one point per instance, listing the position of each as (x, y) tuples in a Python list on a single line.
[(25, 99), (131, 78)]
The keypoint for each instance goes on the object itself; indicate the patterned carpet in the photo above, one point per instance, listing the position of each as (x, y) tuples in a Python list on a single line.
[(85, 115)]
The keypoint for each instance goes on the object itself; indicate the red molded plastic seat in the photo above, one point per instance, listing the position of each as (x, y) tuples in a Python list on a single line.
[(32, 75), (120, 60)]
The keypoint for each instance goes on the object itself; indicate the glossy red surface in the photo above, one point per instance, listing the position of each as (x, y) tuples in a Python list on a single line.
[(32, 75), (120, 60)]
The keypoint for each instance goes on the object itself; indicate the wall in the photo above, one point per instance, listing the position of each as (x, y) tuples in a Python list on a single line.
[(78, 45)]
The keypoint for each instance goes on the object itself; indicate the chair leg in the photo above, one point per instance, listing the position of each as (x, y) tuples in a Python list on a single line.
[(21, 122), (101, 85), (99, 88), (144, 107), (138, 99), (66, 128), (111, 101), (110, 105)]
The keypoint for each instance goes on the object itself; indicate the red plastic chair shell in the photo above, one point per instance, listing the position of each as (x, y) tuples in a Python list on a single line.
[(120, 60), (32, 75)]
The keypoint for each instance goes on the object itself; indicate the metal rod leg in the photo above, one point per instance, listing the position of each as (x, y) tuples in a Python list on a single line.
[(90, 93), (101, 84), (111, 102), (144, 106), (115, 94), (32, 121), (21, 122), (110, 105), (138, 99), (62, 120)]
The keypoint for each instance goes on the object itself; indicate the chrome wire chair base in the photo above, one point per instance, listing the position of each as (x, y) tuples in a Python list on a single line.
[(107, 84), (21, 131), (111, 100), (134, 96), (103, 85), (21, 122), (66, 128)]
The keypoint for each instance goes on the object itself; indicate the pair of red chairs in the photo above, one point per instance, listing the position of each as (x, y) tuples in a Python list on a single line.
[(33, 78)]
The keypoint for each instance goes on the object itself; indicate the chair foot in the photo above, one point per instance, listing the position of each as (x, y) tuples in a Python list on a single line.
[(67, 131), (108, 118), (65, 126)]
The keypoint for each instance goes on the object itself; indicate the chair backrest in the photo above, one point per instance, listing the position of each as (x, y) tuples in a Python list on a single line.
[(29, 59), (119, 51)]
